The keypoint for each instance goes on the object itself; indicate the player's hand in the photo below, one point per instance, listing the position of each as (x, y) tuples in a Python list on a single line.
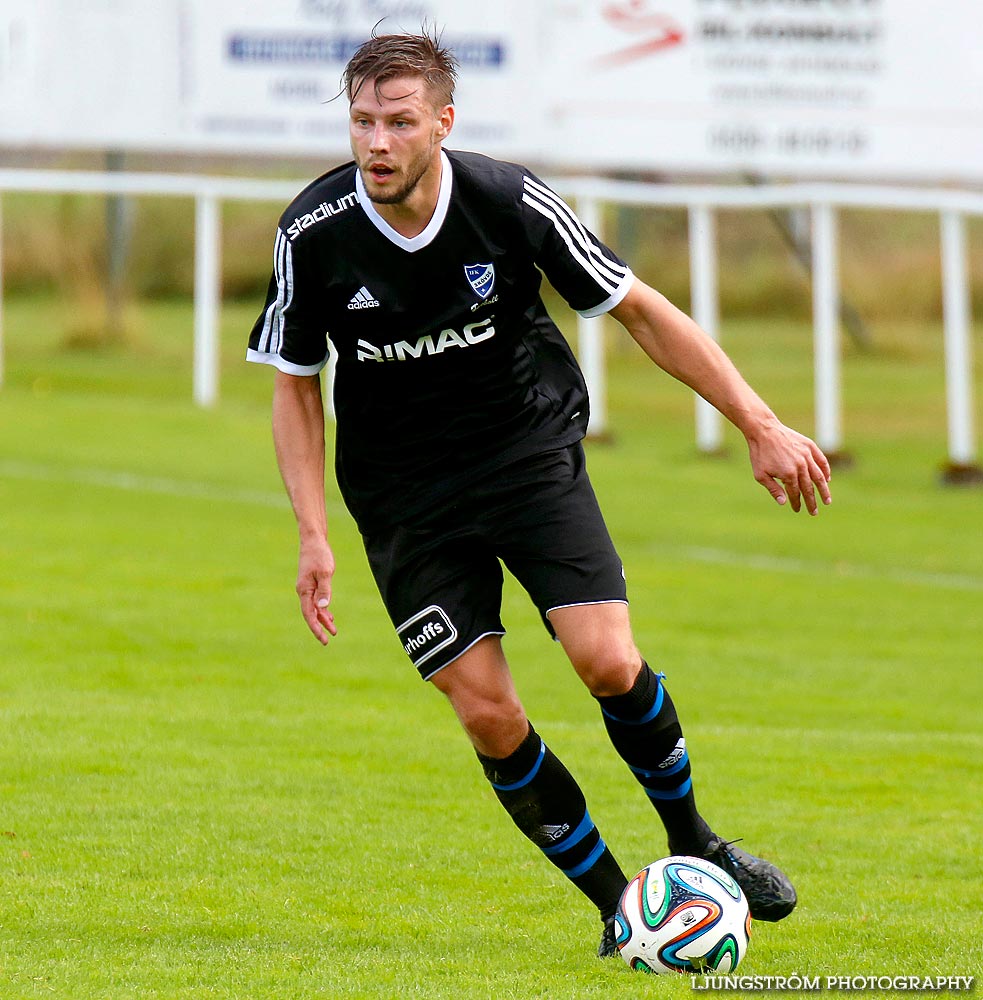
[(790, 466), (315, 570)]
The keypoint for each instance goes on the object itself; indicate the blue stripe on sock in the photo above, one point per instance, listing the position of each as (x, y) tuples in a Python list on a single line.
[(587, 863), (649, 715), (532, 773), (672, 793), (572, 839), (675, 769)]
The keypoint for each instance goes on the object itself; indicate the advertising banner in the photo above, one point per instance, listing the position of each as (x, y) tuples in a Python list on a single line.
[(850, 89), (234, 77), (93, 73), (268, 75), (833, 88)]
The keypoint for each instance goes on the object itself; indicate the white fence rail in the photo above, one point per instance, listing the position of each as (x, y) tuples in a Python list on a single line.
[(822, 200), (590, 194), (208, 193)]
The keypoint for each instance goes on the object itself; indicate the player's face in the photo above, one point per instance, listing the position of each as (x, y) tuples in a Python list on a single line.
[(396, 135)]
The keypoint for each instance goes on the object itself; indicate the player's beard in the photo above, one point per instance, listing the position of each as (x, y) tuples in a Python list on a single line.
[(412, 175)]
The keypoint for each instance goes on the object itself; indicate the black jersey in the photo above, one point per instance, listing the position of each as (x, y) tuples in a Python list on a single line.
[(448, 365)]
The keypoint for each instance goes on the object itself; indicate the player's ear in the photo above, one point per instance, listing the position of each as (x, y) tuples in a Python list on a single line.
[(445, 121)]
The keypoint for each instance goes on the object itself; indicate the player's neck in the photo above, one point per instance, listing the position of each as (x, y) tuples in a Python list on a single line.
[(412, 215)]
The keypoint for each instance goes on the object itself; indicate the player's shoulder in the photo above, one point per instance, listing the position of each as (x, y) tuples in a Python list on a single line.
[(497, 180), (505, 185), (324, 200)]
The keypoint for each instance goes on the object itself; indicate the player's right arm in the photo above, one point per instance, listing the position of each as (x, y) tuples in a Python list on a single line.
[(788, 464), (298, 436)]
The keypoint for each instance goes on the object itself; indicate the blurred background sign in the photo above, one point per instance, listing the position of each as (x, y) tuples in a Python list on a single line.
[(225, 76), (852, 89), (266, 75), (837, 88)]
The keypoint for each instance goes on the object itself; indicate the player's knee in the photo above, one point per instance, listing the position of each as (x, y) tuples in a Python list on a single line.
[(495, 727), (610, 670)]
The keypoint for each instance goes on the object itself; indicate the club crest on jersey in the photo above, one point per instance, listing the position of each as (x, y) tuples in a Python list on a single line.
[(481, 277)]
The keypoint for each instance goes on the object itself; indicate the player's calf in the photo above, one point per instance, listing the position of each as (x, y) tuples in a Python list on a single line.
[(645, 730), (547, 805)]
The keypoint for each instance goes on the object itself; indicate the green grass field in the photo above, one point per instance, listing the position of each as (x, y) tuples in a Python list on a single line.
[(197, 801)]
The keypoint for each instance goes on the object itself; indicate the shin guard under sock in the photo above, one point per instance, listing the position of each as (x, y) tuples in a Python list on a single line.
[(547, 805), (645, 731)]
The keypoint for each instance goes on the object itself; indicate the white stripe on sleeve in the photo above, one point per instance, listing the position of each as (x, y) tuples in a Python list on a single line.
[(562, 215), (271, 340)]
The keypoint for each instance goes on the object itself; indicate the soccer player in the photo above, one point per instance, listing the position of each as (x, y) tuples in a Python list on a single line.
[(460, 411)]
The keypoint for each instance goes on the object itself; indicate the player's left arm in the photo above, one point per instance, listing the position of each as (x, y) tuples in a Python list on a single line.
[(788, 464)]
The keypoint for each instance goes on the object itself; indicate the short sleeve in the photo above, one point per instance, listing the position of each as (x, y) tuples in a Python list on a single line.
[(287, 334), (590, 276)]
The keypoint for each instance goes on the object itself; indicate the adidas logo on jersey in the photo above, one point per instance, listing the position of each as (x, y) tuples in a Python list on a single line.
[(363, 299), (403, 350)]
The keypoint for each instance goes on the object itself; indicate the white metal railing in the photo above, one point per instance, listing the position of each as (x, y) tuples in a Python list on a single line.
[(701, 201), (208, 193), (822, 200)]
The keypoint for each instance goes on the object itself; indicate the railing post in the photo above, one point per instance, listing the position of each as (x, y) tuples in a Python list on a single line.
[(590, 337), (207, 298), (957, 315), (705, 305), (826, 330)]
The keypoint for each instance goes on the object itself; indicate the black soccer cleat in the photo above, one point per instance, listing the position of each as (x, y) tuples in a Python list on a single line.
[(608, 947), (769, 893)]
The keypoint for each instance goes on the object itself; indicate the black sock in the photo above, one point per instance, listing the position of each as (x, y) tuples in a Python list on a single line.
[(645, 731), (547, 805)]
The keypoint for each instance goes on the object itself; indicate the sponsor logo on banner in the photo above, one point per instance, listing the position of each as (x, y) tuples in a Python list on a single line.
[(653, 31), (426, 633), (481, 277)]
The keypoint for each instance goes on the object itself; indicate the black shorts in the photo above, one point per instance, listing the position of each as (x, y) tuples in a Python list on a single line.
[(440, 577)]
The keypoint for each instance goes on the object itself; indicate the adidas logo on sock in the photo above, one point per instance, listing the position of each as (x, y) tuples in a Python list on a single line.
[(363, 299), (678, 753)]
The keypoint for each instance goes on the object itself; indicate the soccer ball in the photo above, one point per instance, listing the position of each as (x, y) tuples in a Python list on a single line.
[(683, 915)]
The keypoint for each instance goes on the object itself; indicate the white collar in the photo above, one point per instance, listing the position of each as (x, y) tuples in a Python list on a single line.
[(410, 244)]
